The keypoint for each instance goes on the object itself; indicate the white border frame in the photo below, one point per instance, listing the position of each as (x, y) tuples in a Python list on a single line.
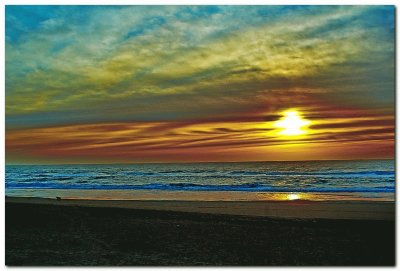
[(160, 2)]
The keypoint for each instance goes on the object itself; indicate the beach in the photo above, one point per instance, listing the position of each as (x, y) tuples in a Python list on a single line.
[(50, 232)]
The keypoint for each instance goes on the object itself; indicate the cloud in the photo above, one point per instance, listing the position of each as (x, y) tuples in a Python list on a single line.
[(131, 139), (182, 68), (68, 60)]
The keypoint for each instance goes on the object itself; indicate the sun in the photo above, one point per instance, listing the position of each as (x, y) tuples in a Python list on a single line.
[(292, 124)]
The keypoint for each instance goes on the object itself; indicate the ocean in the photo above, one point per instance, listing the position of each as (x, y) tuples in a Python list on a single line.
[(313, 180)]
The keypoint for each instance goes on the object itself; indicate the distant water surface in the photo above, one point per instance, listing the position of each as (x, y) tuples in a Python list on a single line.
[(348, 179)]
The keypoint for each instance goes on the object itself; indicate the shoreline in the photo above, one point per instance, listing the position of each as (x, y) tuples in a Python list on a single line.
[(295, 209), (183, 195)]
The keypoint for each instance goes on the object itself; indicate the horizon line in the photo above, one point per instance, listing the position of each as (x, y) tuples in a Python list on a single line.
[(202, 162)]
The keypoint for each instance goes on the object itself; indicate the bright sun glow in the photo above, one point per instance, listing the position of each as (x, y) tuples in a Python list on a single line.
[(293, 197), (292, 124)]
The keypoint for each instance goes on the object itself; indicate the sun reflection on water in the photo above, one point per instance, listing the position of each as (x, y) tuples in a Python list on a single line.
[(293, 196)]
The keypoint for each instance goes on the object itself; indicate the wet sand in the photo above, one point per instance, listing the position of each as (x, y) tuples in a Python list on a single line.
[(368, 210), (46, 232)]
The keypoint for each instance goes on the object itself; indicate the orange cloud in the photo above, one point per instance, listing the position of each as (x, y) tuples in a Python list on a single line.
[(350, 137)]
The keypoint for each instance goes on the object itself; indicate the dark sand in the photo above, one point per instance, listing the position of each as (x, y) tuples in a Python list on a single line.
[(54, 233)]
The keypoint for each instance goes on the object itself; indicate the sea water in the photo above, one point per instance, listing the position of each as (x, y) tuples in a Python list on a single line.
[(364, 179)]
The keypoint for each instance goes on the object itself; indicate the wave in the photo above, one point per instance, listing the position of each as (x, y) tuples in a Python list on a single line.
[(200, 173), (215, 174), (248, 187), (314, 173)]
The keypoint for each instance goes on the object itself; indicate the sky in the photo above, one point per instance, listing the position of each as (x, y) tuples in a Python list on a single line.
[(132, 84)]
